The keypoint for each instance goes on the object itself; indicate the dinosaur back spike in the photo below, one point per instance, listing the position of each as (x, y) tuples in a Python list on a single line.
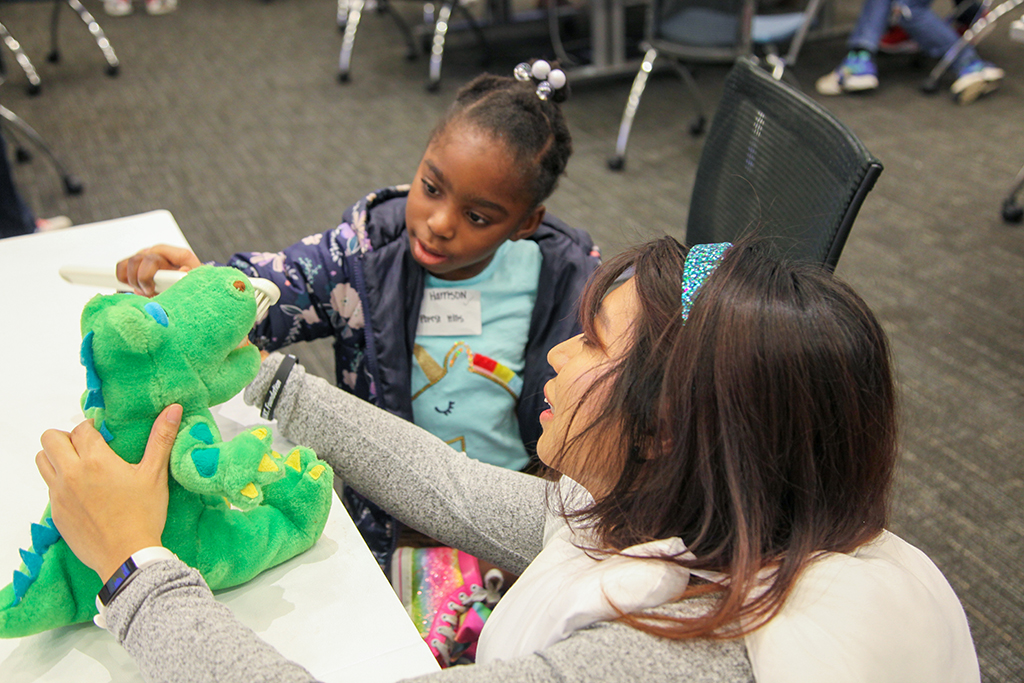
[(43, 537), (33, 562), (21, 584)]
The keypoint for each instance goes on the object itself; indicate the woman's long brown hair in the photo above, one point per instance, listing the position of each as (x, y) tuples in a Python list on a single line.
[(762, 431)]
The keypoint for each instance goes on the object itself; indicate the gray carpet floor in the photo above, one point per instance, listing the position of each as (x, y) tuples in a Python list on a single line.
[(228, 113)]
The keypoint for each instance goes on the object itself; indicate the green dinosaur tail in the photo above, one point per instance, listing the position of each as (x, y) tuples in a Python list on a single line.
[(51, 589)]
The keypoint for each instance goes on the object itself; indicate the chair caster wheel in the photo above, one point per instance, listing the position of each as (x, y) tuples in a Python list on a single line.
[(433, 86), (72, 185), (53, 57), (929, 87), (616, 163), (1012, 212), (113, 70), (22, 155), (343, 77), (697, 127), (33, 89)]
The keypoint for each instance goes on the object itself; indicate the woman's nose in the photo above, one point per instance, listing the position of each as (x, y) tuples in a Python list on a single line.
[(559, 354)]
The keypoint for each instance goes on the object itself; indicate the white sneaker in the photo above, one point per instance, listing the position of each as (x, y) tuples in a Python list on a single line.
[(117, 8), (976, 79), (161, 6)]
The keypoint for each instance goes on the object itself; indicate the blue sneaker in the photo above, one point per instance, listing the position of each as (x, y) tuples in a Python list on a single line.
[(857, 73), (976, 79)]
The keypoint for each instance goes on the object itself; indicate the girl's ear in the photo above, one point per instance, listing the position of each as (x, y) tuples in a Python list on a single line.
[(529, 225)]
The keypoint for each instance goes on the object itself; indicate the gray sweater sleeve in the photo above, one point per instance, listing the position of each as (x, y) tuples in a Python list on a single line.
[(490, 512), (169, 622)]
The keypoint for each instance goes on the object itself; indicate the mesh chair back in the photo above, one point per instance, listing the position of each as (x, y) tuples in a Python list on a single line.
[(777, 164)]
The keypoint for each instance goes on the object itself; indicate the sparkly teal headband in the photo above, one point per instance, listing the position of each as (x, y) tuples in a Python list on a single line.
[(700, 262)]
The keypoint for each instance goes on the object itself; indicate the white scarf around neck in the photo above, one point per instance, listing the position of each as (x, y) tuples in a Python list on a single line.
[(883, 613)]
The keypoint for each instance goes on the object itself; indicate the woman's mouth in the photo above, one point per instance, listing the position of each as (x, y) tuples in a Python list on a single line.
[(425, 256), (549, 413)]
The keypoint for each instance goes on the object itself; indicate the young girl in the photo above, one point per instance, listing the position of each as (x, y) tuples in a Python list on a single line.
[(444, 297), (726, 430)]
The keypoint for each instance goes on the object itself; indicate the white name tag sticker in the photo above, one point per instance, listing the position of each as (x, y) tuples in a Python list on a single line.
[(450, 313)]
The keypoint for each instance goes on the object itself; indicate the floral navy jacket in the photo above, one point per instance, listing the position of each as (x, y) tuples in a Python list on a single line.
[(359, 283)]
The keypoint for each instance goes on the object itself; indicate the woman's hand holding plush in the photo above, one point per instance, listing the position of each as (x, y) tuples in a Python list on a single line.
[(105, 508)]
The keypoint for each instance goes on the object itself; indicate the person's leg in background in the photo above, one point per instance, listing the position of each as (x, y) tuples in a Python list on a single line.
[(933, 34), (975, 77), (871, 24), (15, 216), (857, 72)]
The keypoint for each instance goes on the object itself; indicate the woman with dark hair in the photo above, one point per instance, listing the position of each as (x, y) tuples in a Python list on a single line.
[(726, 452)]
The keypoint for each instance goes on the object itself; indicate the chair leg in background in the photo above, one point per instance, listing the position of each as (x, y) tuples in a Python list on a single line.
[(475, 28), (699, 121), (54, 55), (113, 65), (72, 185), (342, 18), (355, 11), (34, 82), (618, 161), (444, 15), (411, 51), (1012, 211), (441, 26)]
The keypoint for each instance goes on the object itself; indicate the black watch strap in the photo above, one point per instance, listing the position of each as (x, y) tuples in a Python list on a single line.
[(118, 581), (273, 394)]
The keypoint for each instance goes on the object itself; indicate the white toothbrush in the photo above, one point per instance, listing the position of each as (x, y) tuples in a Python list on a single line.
[(267, 293)]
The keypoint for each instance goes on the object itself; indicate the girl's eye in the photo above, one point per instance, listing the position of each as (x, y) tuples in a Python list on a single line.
[(429, 188), (476, 218)]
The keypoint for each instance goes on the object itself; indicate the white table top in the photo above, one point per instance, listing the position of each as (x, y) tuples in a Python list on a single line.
[(330, 608)]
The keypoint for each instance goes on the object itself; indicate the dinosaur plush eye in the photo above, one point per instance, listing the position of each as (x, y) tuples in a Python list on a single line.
[(239, 285)]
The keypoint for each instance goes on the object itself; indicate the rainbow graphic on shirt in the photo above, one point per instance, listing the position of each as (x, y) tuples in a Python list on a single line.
[(479, 364)]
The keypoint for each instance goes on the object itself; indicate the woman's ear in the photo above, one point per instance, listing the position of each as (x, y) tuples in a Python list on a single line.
[(529, 224)]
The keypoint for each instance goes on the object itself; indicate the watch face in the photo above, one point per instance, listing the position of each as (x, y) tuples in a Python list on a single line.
[(115, 582)]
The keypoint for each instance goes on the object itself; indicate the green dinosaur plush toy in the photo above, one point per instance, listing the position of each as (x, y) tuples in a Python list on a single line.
[(236, 507)]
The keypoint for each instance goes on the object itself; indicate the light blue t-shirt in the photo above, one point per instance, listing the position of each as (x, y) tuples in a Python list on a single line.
[(467, 369)]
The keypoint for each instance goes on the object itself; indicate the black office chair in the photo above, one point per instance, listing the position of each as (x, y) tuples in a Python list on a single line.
[(777, 164)]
